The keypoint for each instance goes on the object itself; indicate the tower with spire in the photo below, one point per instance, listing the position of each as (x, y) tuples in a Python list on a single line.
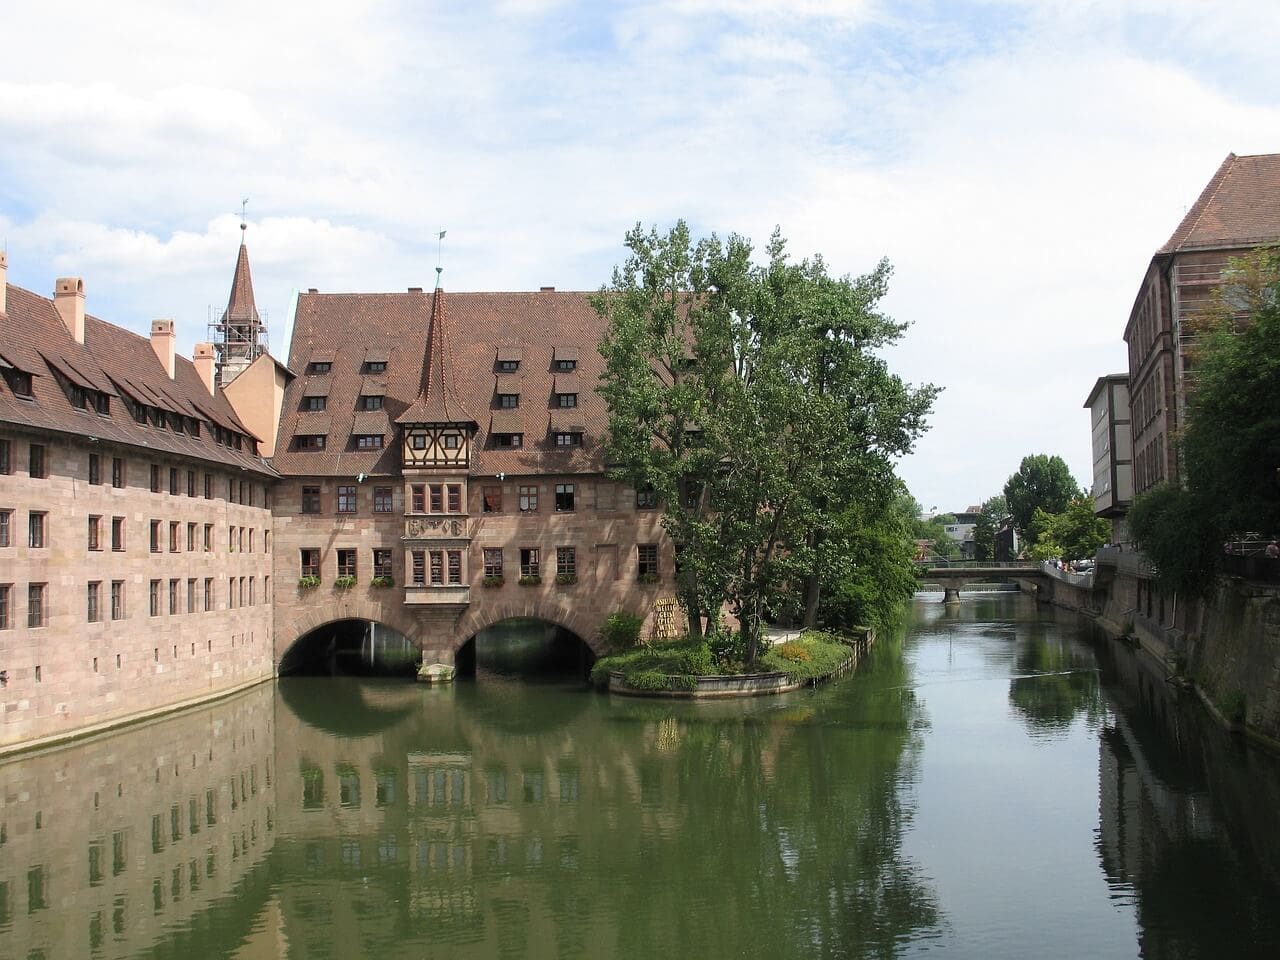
[(240, 336)]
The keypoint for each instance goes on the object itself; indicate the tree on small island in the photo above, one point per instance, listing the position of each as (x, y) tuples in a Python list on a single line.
[(752, 400)]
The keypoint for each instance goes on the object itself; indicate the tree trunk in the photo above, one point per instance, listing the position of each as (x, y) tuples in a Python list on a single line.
[(812, 588)]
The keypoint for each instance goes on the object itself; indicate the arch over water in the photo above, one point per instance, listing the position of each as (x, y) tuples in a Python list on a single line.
[(578, 619), (350, 645)]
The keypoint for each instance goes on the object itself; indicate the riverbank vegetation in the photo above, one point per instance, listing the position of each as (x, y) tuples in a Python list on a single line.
[(752, 404), (676, 664)]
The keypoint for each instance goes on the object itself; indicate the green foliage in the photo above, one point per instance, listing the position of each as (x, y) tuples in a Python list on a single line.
[(826, 653), (621, 630), (687, 657), (307, 583), (492, 582), (530, 580), (755, 403), (1073, 534), (873, 575), (1180, 535), (344, 583), (382, 582), (647, 680), (993, 511), (1042, 482), (1231, 444), (565, 579)]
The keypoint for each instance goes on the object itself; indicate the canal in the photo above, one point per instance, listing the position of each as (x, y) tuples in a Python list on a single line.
[(991, 783)]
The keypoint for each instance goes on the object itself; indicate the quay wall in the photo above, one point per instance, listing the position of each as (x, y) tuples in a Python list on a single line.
[(1225, 648)]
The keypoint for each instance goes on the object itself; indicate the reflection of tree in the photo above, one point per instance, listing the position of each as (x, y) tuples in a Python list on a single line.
[(1056, 681), (604, 826)]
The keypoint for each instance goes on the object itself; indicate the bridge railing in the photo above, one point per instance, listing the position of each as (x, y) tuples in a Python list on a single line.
[(942, 564)]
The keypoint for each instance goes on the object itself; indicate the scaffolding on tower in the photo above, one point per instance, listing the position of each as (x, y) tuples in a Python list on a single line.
[(239, 337)]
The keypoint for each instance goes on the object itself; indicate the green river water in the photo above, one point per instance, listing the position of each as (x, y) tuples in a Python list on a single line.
[(991, 783)]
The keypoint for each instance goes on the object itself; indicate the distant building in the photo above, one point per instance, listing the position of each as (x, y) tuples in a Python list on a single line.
[(1238, 211), (961, 530), (1112, 491)]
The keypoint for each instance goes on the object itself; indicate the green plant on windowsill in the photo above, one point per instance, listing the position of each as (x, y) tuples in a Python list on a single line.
[(647, 578), (382, 582), (530, 580), (492, 581), (306, 583), (564, 579), (344, 583)]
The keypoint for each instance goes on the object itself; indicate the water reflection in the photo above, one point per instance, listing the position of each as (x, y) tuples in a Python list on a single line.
[(929, 800)]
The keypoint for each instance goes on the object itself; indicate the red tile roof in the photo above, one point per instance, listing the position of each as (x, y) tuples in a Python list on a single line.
[(241, 308), (1240, 207), (117, 362), (478, 330)]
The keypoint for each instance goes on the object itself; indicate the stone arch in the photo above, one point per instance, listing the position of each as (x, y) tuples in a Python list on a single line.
[(344, 607), (586, 626)]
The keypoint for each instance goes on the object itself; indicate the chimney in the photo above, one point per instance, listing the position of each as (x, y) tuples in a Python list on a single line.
[(162, 342), (68, 300), (204, 364), (4, 278)]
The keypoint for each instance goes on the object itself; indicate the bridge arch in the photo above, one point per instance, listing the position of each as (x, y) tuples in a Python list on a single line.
[(328, 610), (582, 623)]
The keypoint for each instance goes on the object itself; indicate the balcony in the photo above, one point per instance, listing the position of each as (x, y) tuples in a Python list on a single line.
[(426, 595)]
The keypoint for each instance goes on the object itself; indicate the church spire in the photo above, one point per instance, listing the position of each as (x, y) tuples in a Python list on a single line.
[(239, 338)]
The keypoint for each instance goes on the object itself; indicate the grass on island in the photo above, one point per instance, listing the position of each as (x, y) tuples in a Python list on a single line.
[(675, 664)]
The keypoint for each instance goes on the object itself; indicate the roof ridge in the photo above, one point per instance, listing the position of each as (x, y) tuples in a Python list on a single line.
[(1187, 225)]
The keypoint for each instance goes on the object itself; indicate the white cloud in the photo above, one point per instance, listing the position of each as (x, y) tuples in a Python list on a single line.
[(1018, 167)]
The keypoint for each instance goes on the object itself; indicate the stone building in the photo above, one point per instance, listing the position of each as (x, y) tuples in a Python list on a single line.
[(135, 523), (1112, 444), (442, 469), (1238, 211)]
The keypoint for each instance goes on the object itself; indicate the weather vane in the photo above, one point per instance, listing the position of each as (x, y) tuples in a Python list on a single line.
[(244, 204), (439, 248)]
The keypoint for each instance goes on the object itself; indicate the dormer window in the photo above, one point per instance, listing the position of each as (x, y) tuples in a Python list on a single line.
[(508, 441), (449, 441), (310, 441), (102, 403), (564, 400), (508, 401), (319, 366), (371, 403), (566, 366), (19, 382), (568, 439), (374, 366), (313, 404), (368, 441), (508, 366)]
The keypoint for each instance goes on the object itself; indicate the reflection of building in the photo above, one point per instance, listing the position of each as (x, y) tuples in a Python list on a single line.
[(109, 846), (135, 535), (1108, 406), (1238, 211)]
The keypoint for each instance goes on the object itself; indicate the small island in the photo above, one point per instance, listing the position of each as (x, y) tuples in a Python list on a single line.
[(705, 667)]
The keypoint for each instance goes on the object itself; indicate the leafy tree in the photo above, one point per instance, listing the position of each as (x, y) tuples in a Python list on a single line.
[(1073, 534), (993, 511), (754, 402), (1180, 534), (1042, 482), (1231, 444)]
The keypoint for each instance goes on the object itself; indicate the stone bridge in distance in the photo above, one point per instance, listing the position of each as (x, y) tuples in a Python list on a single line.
[(953, 576)]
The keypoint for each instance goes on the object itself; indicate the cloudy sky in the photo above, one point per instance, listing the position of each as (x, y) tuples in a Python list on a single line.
[(1017, 161)]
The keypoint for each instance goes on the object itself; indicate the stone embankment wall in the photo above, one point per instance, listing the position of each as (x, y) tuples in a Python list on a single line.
[(1228, 646)]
